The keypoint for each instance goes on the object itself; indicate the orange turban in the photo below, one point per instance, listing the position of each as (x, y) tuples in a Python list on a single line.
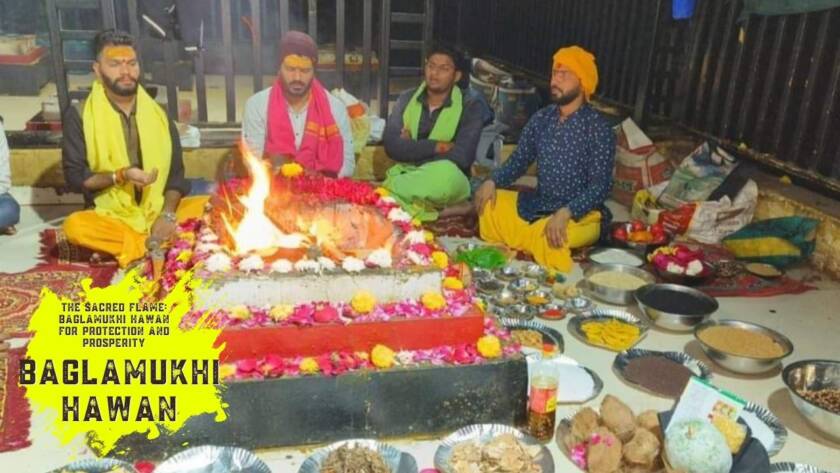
[(582, 63)]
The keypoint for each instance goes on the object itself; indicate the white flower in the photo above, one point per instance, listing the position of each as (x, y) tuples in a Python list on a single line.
[(307, 266), (694, 268), (398, 215), (388, 200), (380, 258), (404, 357), (674, 268), (252, 263), (416, 258), (282, 266), (218, 262), (352, 265), (416, 237), (208, 237), (326, 263), (208, 247)]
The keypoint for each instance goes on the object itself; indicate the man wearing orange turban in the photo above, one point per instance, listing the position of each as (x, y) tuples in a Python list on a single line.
[(573, 148)]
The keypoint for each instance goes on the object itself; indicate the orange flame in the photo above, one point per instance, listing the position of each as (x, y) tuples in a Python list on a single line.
[(256, 232)]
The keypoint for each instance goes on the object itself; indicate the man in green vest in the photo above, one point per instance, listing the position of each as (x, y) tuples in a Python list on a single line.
[(432, 133)]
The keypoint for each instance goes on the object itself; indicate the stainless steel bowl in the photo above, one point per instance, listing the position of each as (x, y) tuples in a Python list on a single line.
[(505, 299), (481, 274), (509, 273), (522, 285), (811, 375), (674, 307), (538, 294), (521, 312), (489, 286), (614, 295), (739, 363), (534, 271), (579, 303), (551, 306)]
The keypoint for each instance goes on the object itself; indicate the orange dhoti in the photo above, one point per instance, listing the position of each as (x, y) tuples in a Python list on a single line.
[(108, 235), (501, 223)]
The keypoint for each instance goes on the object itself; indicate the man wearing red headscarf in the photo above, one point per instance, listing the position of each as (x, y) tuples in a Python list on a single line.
[(296, 119)]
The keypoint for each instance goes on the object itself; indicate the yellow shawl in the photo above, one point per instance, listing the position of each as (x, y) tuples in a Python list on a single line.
[(107, 152)]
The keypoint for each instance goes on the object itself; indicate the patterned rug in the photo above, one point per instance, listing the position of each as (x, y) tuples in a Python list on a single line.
[(19, 292), (15, 414), (461, 226)]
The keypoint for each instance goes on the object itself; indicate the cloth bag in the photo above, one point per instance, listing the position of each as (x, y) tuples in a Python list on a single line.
[(706, 221), (777, 241), (637, 163)]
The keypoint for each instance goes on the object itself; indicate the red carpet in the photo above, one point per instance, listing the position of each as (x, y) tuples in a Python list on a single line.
[(744, 284), (62, 269), (19, 292), (14, 408)]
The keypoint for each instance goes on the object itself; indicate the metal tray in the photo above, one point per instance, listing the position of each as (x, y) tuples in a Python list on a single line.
[(397, 460), (759, 418), (548, 332), (622, 359), (599, 314), (101, 465), (749, 460), (597, 387), (483, 433), (213, 459), (605, 255), (787, 467)]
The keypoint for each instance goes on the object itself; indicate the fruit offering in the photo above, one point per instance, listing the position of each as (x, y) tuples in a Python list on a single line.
[(680, 260), (637, 231)]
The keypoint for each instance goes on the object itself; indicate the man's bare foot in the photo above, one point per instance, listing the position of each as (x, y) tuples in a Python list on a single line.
[(8, 230)]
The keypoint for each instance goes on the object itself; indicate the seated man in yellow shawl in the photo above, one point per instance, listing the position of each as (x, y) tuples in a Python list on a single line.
[(123, 153), (433, 133), (573, 147)]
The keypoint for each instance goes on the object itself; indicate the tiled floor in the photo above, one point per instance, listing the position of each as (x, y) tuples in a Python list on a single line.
[(20, 252), (811, 321)]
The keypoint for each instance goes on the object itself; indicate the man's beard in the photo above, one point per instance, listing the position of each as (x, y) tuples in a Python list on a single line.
[(565, 98), (115, 87), (301, 92)]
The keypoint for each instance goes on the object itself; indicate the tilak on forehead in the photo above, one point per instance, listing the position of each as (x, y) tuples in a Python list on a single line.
[(295, 60), (300, 46), (119, 52)]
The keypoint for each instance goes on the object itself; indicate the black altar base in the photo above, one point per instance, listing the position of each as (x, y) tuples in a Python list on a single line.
[(413, 402)]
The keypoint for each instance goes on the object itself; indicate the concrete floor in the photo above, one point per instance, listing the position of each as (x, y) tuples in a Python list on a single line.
[(810, 321)]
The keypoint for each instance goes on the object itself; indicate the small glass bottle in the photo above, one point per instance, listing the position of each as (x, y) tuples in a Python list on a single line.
[(542, 398)]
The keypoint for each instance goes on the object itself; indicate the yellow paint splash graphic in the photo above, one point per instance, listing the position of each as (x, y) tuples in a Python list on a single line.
[(112, 363)]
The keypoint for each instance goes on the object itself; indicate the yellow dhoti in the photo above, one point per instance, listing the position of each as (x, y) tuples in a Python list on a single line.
[(501, 223), (108, 235)]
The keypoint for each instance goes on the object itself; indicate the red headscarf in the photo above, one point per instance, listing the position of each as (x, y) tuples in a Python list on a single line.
[(322, 147)]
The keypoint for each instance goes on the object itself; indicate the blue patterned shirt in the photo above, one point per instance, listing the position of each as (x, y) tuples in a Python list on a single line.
[(574, 163)]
